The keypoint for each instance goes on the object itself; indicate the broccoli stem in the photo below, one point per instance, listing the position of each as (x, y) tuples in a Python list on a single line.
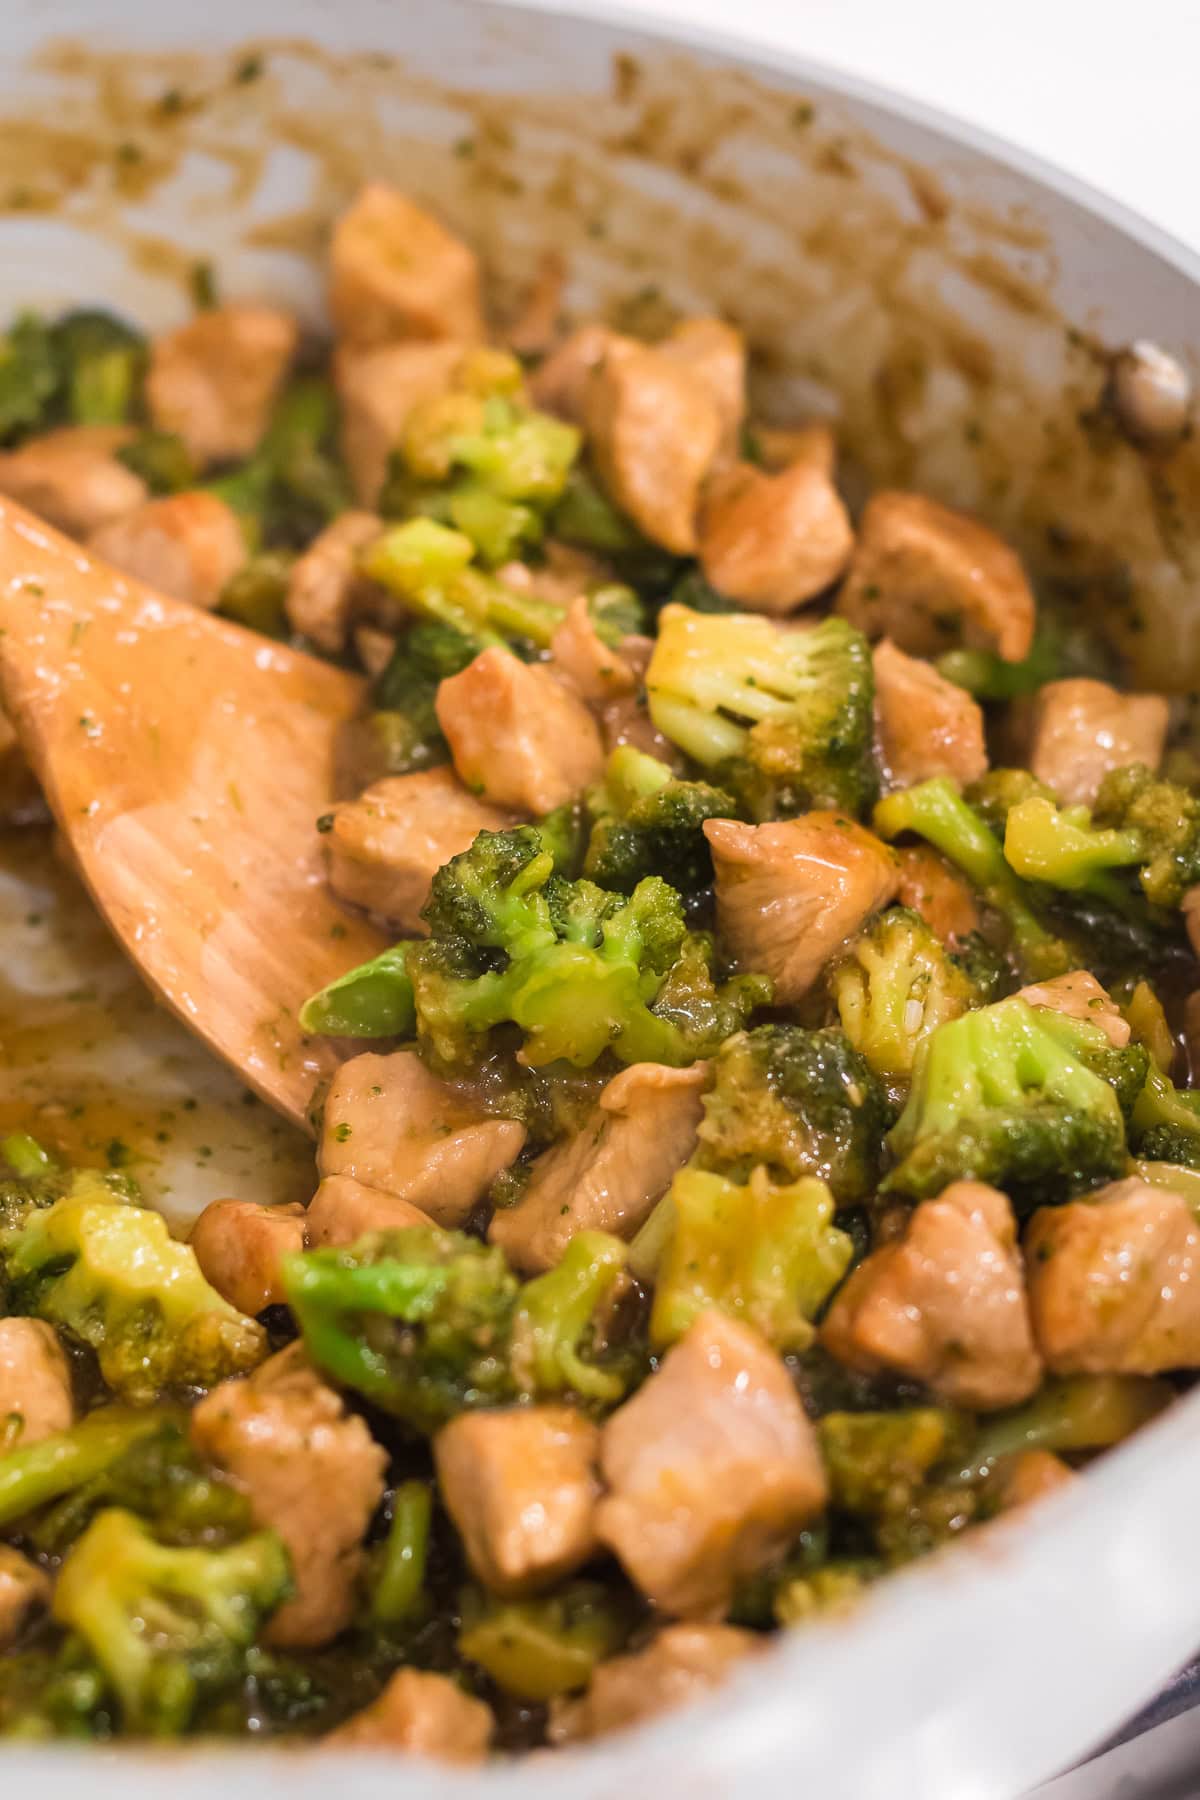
[(1079, 1412), (371, 1001), (25, 1156), (400, 1576), (31, 1476)]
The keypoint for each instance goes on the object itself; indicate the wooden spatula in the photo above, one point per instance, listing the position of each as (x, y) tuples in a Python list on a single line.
[(186, 761)]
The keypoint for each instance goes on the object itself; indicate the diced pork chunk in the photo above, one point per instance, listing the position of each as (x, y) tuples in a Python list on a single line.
[(423, 1714), (1114, 1282), (185, 545), (214, 381), (521, 1486), (23, 1589), (781, 446), (35, 1383), (712, 1467), (1080, 996), (519, 737), (534, 329), (72, 477), (715, 353), (931, 887), (788, 894), (932, 579), (342, 1210), (608, 1175), (377, 389), (240, 1248), (945, 1305), (774, 541), (560, 383), (392, 1125), (596, 672), (312, 1472), (924, 724), (324, 581), (683, 1663), (654, 430), (1082, 729), (396, 272), (386, 847), (1031, 1476)]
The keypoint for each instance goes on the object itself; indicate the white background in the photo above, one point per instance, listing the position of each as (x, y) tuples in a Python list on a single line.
[(1104, 88)]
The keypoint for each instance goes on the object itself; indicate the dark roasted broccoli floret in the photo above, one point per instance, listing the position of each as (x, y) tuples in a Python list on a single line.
[(798, 1102), (783, 718), (292, 485), (648, 821), (1028, 1100), (168, 1626)]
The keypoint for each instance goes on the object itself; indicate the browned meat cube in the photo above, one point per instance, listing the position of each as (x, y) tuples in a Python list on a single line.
[(560, 383), (774, 541), (24, 1588), (789, 894), (377, 390), (312, 1472), (932, 579), (520, 738), (1030, 1476), (324, 582), (781, 446), (945, 1305), (35, 1383), (240, 1247), (72, 477), (423, 1714), (654, 430), (521, 1486), (683, 1663), (214, 381), (924, 724), (535, 327), (580, 655), (185, 545), (386, 847), (1114, 1282), (392, 1125), (712, 1467), (396, 272), (607, 1175), (342, 1210), (1082, 729), (931, 887), (715, 353), (1080, 996)]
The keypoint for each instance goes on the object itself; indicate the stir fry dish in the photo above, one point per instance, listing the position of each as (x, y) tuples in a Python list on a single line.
[(767, 1153)]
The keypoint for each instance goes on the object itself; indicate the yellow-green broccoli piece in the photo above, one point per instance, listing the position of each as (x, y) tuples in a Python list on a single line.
[(1139, 823), (1165, 1126), (535, 1649)]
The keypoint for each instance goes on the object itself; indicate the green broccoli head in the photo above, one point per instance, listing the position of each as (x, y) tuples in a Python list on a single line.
[(784, 717), (168, 1626), (554, 1347), (1165, 1123), (1023, 1098), (30, 375), (163, 461), (107, 1272), (989, 677), (429, 568), (102, 361), (769, 1255), (896, 985), (292, 486), (800, 1103), (883, 1471), (1165, 818), (647, 820)]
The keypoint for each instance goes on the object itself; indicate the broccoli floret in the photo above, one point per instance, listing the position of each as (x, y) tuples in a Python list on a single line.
[(428, 568), (895, 986), (1166, 820), (29, 377), (832, 1588), (101, 362), (374, 1000), (163, 461), (768, 1254), (256, 596), (1165, 1126), (798, 1102), (397, 1580), (1028, 1100), (989, 677), (883, 1469), (580, 970), (108, 1273), (647, 821), (936, 811), (401, 734), (995, 794), (1061, 846), (783, 717), (292, 485), (553, 1320), (535, 1649), (53, 1693), (585, 516), (616, 612), (169, 1627), (67, 1462)]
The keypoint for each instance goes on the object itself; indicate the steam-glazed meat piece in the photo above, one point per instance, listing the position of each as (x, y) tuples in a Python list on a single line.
[(608, 1174), (396, 272), (580, 655), (560, 383), (521, 1486), (519, 737), (189, 546), (1031, 1476), (240, 1247), (214, 381), (774, 541), (1080, 996), (931, 579), (712, 1467), (423, 1714), (715, 353), (342, 1210), (1114, 1282), (924, 724), (683, 1663), (788, 894), (35, 1383), (376, 390), (73, 477), (312, 1472), (931, 887), (392, 1125), (324, 582), (945, 1305), (1082, 729), (386, 847)]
